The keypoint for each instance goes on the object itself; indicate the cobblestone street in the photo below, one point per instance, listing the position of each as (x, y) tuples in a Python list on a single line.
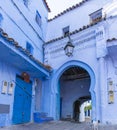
[(60, 125)]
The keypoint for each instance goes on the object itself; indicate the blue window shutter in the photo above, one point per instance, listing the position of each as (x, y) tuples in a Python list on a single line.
[(29, 48)]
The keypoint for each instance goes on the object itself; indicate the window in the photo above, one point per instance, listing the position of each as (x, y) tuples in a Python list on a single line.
[(29, 48), (26, 3), (96, 16), (38, 18), (66, 31)]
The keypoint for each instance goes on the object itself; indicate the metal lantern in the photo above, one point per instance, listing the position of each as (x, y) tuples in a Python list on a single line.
[(69, 48)]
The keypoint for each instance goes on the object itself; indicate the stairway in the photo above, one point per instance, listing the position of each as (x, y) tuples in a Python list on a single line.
[(41, 117)]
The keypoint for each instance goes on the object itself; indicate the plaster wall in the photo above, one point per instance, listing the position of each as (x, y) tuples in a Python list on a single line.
[(112, 28), (46, 96), (76, 18), (70, 91), (87, 51), (84, 51), (109, 115), (19, 22), (8, 73), (38, 95)]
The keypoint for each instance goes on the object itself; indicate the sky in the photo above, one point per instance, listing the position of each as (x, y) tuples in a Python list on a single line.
[(58, 6)]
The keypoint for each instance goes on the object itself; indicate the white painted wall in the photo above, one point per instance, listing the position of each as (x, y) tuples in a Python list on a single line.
[(112, 27), (76, 18), (86, 52)]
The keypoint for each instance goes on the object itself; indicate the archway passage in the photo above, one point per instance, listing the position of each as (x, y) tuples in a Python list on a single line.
[(82, 109), (74, 90)]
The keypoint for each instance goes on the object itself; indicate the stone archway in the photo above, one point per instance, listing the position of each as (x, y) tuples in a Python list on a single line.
[(55, 88)]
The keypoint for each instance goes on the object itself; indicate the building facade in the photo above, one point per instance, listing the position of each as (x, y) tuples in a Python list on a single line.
[(22, 35), (90, 73), (37, 75)]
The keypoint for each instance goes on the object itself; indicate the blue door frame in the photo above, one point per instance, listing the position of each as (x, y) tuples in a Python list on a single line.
[(22, 101)]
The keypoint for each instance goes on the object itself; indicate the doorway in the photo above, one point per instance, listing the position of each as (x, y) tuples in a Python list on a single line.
[(76, 110), (22, 101), (82, 109)]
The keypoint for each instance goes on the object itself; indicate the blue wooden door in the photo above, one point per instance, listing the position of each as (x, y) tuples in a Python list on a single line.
[(22, 102)]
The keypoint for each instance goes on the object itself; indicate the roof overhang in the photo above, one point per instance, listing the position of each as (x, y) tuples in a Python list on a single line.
[(12, 56)]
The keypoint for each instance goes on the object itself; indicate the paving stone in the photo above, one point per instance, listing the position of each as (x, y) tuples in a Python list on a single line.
[(59, 125)]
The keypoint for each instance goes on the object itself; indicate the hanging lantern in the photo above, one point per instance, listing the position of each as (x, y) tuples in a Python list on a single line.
[(69, 48)]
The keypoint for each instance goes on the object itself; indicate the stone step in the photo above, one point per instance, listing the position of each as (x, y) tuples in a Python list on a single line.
[(41, 117)]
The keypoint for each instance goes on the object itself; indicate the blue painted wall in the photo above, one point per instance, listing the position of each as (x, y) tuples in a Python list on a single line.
[(7, 73), (18, 21), (70, 91)]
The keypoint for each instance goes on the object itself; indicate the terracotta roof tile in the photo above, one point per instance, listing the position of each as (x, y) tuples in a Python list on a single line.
[(47, 5), (76, 31), (69, 9), (112, 39)]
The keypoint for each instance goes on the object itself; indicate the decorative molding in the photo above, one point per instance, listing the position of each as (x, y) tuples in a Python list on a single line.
[(85, 40), (101, 47), (56, 50), (74, 32)]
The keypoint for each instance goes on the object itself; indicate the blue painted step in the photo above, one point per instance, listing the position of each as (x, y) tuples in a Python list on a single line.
[(41, 117)]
